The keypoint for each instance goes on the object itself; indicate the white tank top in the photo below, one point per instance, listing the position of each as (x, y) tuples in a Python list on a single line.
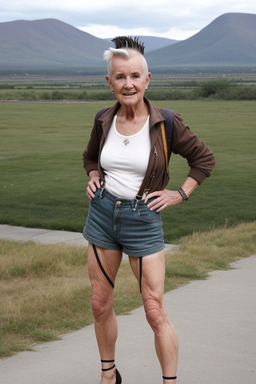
[(125, 160)]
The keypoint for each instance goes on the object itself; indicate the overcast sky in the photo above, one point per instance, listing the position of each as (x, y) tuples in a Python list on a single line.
[(175, 19)]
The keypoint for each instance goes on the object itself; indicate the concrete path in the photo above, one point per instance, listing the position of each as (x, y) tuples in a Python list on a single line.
[(48, 236), (215, 320), (43, 236)]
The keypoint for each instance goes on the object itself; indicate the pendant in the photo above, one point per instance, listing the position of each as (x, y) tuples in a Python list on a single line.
[(126, 141)]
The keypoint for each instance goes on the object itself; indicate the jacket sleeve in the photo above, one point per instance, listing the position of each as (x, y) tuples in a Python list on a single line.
[(91, 152), (199, 157)]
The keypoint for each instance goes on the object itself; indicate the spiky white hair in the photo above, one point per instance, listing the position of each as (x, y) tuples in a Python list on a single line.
[(125, 53)]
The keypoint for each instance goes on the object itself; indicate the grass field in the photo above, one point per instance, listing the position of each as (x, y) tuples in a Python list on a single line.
[(42, 181), (45, 290)]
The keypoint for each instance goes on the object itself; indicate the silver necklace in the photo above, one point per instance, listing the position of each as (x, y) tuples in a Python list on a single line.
[(126, 141)]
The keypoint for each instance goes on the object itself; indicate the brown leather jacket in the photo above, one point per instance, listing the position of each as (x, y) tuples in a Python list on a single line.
[(185, 143)]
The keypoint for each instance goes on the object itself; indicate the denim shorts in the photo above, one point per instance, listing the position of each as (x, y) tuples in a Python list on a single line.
[(115, 223)]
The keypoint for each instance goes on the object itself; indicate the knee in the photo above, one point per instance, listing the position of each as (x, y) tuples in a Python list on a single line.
[(101, 303), (155, 313)]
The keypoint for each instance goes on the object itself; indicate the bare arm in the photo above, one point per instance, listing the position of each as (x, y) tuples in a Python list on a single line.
[(166, 198)]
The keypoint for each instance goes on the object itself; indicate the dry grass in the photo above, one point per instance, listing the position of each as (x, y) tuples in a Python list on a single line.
[(45, 289), (203, 252), (44, 293)]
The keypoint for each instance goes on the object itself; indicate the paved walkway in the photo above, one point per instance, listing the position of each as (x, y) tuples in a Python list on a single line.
[(48, 236), (43, 236), (215, 320)]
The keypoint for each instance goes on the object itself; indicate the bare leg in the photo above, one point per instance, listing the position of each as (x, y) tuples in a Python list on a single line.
[(105, 323), (166, 340)]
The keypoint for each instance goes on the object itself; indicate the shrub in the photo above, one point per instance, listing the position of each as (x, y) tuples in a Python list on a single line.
[(57, 95), (212, 87)]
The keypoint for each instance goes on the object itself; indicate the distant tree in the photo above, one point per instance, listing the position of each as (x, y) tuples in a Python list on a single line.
[(209, 88)]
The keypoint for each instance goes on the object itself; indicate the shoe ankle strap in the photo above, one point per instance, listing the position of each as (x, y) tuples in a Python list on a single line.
[(108, 369), (107, 361), (170, 378)]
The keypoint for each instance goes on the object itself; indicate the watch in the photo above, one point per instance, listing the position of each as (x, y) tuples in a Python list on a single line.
[(183, 194)]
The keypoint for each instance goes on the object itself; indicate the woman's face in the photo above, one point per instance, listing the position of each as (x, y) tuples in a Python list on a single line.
[(128, 79)]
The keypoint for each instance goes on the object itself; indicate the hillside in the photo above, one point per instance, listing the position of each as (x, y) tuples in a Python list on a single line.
[(230, 40), (48, 43)]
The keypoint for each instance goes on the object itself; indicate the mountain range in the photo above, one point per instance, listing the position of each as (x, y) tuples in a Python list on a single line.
[(229, 40)]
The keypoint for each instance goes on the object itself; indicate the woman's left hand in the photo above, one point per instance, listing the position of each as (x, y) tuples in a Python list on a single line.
[(164, 199)]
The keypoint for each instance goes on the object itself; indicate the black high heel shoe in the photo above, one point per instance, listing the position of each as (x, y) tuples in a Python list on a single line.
[(118, 376)]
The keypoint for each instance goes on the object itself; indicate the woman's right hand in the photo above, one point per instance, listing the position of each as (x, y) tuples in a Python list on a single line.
[(93, 184)]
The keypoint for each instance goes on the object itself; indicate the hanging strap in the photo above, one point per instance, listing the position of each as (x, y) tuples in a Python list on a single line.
[(166, 127), (140, 272), (101, 267), (167, 134), (165, 146)]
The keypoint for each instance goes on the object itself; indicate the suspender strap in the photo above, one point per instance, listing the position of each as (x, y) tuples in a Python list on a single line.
[(167, 134), (166, 127), (101, 267), (165, 145), (111, 283), (140, 272)]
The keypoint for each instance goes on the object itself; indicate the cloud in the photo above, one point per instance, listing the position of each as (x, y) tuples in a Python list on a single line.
[(107, 31), (174, 19)]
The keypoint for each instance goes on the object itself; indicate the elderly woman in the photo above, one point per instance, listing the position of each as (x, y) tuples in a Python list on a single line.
[(126, 164)]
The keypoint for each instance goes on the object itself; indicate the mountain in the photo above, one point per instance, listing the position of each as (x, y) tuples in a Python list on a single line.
[(48, 43), (152, 42), (230, 40)]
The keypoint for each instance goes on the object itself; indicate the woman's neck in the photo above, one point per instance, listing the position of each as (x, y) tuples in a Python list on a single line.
[(133, 113)]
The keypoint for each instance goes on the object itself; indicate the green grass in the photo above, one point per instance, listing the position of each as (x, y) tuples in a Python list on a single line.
[(42, 180), (41, 164), (45, 290)]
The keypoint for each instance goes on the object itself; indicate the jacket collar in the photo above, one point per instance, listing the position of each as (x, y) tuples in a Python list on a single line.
[(154, 112)]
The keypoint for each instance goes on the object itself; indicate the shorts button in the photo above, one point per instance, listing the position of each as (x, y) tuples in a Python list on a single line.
[(118, 202)]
